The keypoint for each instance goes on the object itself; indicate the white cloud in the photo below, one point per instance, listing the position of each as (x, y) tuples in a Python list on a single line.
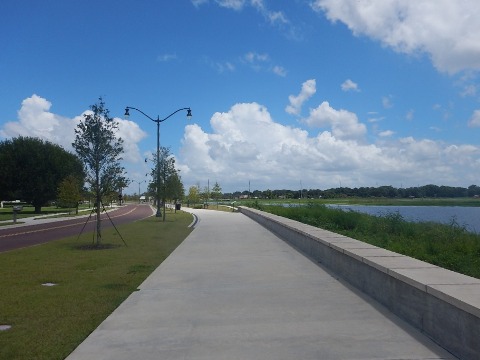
[(344, 124), (36, 120), (444, 29), (246, 144), (386, 133), (262, 62), (375, 119), (475, 119), (220, 67), (279, 70), (131, 134), (387, 102), (259, 62), (274, 17), (296, 102), (231, 4), (253, 57), (349, 85), (197, 3)]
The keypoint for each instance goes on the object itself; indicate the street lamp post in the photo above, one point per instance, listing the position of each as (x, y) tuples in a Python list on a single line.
[(158, 121), (139, 194)]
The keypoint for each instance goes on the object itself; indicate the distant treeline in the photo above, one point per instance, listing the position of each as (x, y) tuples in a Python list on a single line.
[(430, 191)]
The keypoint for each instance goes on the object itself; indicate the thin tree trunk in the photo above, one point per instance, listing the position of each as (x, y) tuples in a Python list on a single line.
[(99, 224), (164, 208)]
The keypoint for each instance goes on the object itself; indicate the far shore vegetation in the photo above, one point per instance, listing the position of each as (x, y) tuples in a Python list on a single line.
[(458, 201)]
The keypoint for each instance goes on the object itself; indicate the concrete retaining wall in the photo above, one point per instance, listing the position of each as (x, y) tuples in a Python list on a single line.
[(443, 304)]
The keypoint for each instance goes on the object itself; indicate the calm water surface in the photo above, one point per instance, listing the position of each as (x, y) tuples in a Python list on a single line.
[(464, 216)]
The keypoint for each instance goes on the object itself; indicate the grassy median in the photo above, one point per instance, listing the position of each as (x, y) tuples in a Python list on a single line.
[(48, 322)]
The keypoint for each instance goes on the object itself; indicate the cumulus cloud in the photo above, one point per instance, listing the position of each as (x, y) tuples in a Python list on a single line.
[(344, 124), (36, 120), (246, 144), (446, 30), (349, 85), (309, 88), (131, 134)]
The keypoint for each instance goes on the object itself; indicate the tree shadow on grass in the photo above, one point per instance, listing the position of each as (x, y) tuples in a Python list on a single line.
[(96, 247)]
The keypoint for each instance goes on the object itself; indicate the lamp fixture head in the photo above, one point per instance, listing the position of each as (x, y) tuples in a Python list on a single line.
[(127, 113), (189, 114)]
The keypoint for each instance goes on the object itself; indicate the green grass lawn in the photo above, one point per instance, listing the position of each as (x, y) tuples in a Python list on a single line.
[(29, 211), (50, 322)]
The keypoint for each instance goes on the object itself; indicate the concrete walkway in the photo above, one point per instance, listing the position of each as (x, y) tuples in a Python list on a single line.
[(233, 290)]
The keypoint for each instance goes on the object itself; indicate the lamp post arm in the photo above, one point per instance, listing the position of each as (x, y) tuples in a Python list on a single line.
[(140, 111), (186, 108)]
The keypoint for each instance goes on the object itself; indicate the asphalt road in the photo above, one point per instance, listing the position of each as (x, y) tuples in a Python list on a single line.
[(41, 231)]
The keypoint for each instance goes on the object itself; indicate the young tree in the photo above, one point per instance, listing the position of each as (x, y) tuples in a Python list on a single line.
[(69, 192), (165, 180), (216, 192), (174, 188), (100, 150), (205, 195), (32, 169), (193, 195)]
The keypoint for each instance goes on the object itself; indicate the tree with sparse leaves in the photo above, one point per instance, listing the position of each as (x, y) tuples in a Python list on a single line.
[(167, 184), (97, 144), (216, 192)]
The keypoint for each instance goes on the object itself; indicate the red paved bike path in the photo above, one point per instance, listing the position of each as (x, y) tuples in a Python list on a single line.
[(24, 235)]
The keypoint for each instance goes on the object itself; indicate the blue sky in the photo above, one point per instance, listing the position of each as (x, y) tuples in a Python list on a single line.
[(311, 93)]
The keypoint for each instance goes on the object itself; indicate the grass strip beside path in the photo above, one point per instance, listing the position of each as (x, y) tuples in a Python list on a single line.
[(29, 211), (49, 322)]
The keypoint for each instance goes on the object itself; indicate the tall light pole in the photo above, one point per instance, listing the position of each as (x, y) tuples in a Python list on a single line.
[(139, 182), (158, 121)]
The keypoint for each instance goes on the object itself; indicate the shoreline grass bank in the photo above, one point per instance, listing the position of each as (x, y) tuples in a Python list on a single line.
[(448, 246)]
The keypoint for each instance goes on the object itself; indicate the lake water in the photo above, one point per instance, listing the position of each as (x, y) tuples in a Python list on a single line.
[(464, 216)]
